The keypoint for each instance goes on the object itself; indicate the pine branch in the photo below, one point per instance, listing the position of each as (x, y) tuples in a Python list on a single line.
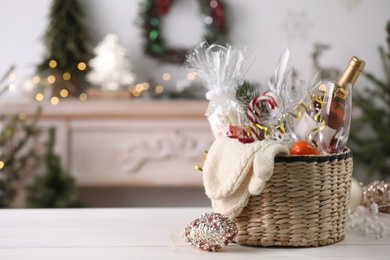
[(246, 92), (383, 85), (4, 77), (18, 156), (29, 130)]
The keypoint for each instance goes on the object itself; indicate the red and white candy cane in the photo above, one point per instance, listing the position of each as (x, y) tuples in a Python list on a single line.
[(254, 111)]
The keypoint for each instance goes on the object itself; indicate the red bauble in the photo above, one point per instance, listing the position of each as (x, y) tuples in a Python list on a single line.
[(162, 6), (218, 16)]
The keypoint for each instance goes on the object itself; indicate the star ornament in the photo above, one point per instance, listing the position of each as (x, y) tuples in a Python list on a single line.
[(296, 25)]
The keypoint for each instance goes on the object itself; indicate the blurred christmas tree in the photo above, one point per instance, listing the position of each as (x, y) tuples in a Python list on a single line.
[(110, 69), (69, 48), (18, 155), (371, 146), (55, 188)]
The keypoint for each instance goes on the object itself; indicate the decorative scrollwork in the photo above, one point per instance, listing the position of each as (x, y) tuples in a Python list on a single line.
[(175, 145)]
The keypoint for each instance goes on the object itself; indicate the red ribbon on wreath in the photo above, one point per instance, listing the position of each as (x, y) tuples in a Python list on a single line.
[(217, 12), (162, 6)]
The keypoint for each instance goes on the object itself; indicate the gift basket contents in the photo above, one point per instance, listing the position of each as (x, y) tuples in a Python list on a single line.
[(279, 170)]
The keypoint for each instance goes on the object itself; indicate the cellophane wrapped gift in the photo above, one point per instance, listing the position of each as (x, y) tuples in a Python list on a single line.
[(221, 69)]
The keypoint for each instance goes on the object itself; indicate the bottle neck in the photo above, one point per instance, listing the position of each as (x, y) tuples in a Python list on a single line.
[(352, 72), (342, 90)]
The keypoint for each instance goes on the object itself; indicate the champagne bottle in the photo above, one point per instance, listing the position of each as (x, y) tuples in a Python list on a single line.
[(350, 75), (336, 111)]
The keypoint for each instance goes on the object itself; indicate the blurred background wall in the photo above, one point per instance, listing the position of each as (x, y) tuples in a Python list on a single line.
[(350, 27)]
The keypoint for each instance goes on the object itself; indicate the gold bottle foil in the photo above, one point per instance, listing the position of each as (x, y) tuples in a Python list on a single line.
[(352, 72)]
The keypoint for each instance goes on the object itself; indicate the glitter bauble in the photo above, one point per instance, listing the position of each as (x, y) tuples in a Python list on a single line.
[(210, 232), (377, 192)]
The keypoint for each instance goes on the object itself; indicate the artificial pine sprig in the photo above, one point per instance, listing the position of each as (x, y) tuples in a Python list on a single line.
[(246, 92)]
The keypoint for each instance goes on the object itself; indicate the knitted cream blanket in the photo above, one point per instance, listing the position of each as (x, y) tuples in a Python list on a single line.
[(233, 171)]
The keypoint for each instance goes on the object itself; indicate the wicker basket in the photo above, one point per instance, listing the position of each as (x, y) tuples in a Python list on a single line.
[(304, 204)]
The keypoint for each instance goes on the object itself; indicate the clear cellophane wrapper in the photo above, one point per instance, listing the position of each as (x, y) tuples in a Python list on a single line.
[(221, 69), (299, 109), (294, 118)]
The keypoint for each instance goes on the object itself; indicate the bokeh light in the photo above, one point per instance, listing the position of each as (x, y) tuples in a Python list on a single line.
[(82, 66), (159, 89), (166, 76), (51, 79), (54, 101), (83, 96), (52, 64)]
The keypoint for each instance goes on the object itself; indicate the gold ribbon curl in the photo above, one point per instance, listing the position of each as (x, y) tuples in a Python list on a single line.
[(204, 156), (316, 117), (298, 108), (261, 127), (317, 129), (281, 127)]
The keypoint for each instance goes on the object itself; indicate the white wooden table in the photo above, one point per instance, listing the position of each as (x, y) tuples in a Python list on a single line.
[(143, 233)]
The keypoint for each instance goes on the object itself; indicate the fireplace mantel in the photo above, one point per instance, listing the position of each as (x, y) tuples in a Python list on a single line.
[(126, 142)]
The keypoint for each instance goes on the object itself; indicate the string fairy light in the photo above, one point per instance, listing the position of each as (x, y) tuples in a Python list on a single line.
[(191, 76), (66, 76), (135, 93), (52, 64), (22, 116), (145, 85), (64, 93), (39, 97), (159, 89), (81, 66), (166, 76), (139, 87), (54, 101), (36, 79), (83, 96), (51, 79), (11, 87), (11, 78)]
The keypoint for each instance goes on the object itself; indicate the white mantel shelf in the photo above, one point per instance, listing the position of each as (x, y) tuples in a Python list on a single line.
[(126, 142), (144, 233)]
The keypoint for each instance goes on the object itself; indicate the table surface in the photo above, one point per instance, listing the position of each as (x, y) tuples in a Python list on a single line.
[(143, 233)]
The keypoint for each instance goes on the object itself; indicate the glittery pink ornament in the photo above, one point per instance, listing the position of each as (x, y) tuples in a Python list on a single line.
[(377, 192), (210, 232)]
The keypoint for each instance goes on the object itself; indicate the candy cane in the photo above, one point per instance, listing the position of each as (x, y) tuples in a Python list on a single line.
[(254, 111), (254, 117), (272, 99)]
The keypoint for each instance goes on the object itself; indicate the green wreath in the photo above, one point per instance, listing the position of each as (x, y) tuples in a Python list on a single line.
[(212, 12)]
